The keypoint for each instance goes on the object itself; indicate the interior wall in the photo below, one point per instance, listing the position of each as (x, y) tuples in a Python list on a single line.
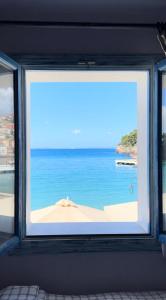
[(83, 273), (39, 41), (32, 40), (98, 272), (86, 273)]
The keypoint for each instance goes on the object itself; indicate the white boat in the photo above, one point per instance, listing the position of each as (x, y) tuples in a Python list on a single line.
[(126, 162)]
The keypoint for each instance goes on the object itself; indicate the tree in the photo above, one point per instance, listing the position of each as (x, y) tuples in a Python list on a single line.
[(129, 140)]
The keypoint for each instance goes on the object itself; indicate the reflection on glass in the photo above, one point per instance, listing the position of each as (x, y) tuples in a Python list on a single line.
[(6, 154), (164, 148)]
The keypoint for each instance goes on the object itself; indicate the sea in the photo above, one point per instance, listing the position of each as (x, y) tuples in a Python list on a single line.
[(86, 176)]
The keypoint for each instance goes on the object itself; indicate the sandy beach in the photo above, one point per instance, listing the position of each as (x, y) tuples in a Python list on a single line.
[(6, 213)]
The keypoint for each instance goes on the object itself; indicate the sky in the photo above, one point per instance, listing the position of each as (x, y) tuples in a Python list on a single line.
[(6, 94), (81, 114)]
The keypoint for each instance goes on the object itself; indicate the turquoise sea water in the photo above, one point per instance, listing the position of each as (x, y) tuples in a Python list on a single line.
[(164, 176), (7, 183), (87, 176)]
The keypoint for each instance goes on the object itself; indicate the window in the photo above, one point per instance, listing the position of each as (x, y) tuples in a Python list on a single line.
[(82, 157), (7, 154), (87, 152)]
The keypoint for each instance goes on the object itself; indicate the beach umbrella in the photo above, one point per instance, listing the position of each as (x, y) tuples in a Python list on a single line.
[(66, 210)]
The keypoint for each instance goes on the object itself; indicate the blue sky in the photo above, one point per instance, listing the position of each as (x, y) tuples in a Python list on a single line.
[(82, 114)]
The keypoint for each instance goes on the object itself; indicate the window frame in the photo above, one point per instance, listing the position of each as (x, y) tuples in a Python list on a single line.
[(72, 244), (160, 68), (92, 243), (12, 66)]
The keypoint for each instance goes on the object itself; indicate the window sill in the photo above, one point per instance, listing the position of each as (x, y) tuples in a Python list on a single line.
[(9, 245), (76, 228), (52, 246)]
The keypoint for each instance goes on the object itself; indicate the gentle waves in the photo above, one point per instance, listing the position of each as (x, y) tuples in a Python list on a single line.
[(86, 176)]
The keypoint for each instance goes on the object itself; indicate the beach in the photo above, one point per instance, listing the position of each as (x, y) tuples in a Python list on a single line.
[(7, 213)]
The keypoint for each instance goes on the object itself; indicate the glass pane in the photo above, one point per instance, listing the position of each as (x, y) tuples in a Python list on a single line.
[(87, 152), (164, 148), (6, 154)]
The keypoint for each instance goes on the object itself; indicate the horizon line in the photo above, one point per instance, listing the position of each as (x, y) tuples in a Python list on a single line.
[(85, 148)]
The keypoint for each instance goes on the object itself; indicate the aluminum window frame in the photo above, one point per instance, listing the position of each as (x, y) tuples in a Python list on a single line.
[(72, 244), (12, 66), (152, 149)]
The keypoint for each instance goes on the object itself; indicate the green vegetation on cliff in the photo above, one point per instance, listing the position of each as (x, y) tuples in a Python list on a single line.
[(129, 140)]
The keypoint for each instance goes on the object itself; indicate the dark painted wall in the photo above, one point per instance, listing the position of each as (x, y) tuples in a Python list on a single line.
[(34, 40), (83, 273), (79, 41), (86, 273)]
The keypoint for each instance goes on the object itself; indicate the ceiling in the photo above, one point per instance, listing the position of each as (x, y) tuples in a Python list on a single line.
[(84, 10), (93, 41)]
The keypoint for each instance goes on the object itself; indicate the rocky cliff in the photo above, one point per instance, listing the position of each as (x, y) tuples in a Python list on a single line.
[(130, 150)]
